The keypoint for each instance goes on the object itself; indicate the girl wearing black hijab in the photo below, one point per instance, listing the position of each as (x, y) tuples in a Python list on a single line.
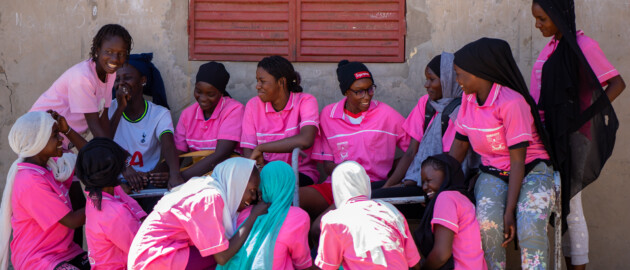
[(572, 69), (498, 118)]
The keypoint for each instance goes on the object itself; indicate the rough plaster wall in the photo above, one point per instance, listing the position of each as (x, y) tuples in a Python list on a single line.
[(40, 39)]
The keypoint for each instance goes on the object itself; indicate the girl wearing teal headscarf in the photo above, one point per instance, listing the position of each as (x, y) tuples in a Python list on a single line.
[(278, 240)]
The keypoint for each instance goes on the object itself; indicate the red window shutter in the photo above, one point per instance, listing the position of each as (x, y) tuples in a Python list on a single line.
[(239, 30), (357, 30)]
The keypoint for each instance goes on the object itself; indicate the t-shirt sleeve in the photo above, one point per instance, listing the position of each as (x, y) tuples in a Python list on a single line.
[(122, 230), (459, 129), (164, 125), (445, 212), (402, 139), (309, 112), (415, 121), (321, 148), (248, 135), (449, 136), (518, 122), (602, 68), (231, 124), (82, 96), (330, 251), (411, 250), (300, 252), (203, 222), (180, 133), (40, 194)]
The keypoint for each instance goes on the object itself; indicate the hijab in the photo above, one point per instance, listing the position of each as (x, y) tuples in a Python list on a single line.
[(229, 178), (368, 221), (579, 118), (431, 143), (28, 137), (454, 180), (277, 185)]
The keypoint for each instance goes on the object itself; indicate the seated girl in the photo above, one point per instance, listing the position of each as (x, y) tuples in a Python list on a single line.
[(448, 228), (213, 123), (363, 233), (35, 202), (112, 218), (280, 118), (194, 226), (355, 128), (83, 93), (496, 120), (145, 131), (279, 240)]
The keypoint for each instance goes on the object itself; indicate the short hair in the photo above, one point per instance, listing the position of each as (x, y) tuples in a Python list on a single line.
[(107, 31)]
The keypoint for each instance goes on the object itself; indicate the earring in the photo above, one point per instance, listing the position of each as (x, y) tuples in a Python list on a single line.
[(96, 55), (144, 84)]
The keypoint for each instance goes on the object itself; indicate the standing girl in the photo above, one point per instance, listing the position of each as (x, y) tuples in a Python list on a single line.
[(499, 120), (112, 218), (35, 202), (83, 93), (280, 118), (572, 69)]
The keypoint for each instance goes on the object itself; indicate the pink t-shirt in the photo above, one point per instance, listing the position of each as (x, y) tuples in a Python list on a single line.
[(291, 250), (76, 92), (602, 68), (336, 248), (38, 202), (415, 121), (195, 133), (503, 121), (109, 232), (457, 213), (262, 124), (164, 237), (380, 132)]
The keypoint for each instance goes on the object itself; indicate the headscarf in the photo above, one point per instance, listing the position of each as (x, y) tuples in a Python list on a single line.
[(431, 143), (277, 186), (99, 163), (435, 64), (454, 180), (579, 118), (348, 72), (215, 74), (28, 137), (367, 221), (155, 85), (229, 178)]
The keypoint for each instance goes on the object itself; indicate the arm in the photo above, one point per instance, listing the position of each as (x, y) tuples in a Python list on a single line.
[(459, 149), (74, 219), (403, 164), (517, 173), (616, 85), (223, 151), (442, 248), (74, 137), (99, 126), (237, 241), (122, 99), (304, 140), (169, 152), (329, 167)]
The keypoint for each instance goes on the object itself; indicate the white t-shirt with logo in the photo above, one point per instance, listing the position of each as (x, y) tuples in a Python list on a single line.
[(141, 138)]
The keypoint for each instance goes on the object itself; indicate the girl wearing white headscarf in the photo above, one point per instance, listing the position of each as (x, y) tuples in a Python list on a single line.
[(35, 202), (198, 219), (363, 233)]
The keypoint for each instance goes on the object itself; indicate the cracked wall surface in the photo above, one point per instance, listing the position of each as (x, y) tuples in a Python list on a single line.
[(40, 39)]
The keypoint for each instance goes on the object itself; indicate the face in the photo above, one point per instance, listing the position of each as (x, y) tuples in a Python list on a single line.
[(468, 82), (130, 80), (112, 54), (431, 180), (359, 96), (269, 88), (543, 22), (54, 146), (251, 191), (433, 85), (207, 95)]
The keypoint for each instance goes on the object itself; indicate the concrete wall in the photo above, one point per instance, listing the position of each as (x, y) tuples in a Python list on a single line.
[(40, 39)]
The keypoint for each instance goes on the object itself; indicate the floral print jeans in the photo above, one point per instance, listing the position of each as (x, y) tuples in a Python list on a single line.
[(533, 208)]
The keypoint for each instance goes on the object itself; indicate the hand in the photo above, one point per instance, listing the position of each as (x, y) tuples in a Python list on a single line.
[(175, 179), (159, 179), (509, 228), (409, 183), (136, 180), (257, 155), (61, 121), (259, 209), (126, 188), (122, 96)]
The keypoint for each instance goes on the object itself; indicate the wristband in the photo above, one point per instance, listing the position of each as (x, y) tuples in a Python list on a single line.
[(67, 132)]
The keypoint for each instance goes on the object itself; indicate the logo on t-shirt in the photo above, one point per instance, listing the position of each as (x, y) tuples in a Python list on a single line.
[(136, 159), (495, 141), (144, 137), (342, 148), (361, 74)]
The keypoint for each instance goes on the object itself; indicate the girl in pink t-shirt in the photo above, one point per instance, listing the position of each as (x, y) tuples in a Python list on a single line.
[(448, 228), (83, 93), (35, 202), (212, 123), (280, 118), (112, 217)]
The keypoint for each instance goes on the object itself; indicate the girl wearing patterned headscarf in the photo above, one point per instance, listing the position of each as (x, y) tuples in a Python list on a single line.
[(35, 202)]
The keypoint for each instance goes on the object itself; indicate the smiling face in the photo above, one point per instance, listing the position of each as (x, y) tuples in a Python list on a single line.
[(251, 191), (356, 103), (129, 79), (433, 85), (207, 96), (544, 22), (469, 83), (269, 88), (54, 146), (431, 180), (111, 55)]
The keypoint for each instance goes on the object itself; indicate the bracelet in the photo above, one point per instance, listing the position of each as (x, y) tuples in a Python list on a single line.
[(67, 132)]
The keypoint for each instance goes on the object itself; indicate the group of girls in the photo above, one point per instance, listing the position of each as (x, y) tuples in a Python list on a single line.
[(227, 213)]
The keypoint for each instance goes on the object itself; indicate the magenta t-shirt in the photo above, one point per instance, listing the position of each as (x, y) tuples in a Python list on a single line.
[(415, 121)]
